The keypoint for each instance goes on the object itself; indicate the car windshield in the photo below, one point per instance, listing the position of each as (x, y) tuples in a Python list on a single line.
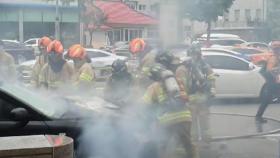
[(160, 78), (247, 51)]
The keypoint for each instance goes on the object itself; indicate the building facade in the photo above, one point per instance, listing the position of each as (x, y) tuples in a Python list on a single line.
[(24, 19), (244, 13), (148, 7)]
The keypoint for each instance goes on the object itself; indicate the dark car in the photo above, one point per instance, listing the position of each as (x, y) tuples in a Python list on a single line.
[(23, 112), (19, 51)]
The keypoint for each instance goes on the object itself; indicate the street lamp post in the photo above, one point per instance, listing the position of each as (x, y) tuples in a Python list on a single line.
[(264, 10), (57, 29)]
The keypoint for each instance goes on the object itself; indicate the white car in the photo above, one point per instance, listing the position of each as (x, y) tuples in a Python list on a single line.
[(101, 62), (220, 36), (237, 77), (101, 58), (33, 42), (11, 41)]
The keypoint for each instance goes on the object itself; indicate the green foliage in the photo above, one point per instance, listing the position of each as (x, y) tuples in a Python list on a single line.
[(273, 18), (207, 10)]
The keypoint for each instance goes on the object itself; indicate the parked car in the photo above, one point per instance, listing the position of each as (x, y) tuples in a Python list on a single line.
[(238, 78), (257, 56), (23, 112), (227, 51), (220, 40), (101, 62), (123, 52), (261, 58), (33, 42), (220, 36), (258, 45), (12, 41), (224, 43), (19, 51)]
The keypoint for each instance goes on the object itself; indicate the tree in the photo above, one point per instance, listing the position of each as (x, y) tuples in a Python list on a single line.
[(273, 18), (92, 17), (207, 10)]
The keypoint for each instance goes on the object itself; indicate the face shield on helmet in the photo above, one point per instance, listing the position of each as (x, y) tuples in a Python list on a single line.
[(119, 67), (55, 51), (165, 59), (155, 73), (54, 56)]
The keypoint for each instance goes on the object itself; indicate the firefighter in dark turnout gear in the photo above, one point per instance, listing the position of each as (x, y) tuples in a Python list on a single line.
[(271, 88), (200, 87), (119, 85)]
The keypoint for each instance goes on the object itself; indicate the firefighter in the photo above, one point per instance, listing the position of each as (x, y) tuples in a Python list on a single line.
[(84, 73), (57, 72), (271, 88), (145, 56), (200, 86), (40, 61), (172, 114), (7, 65), (119, 85), (168, 60)]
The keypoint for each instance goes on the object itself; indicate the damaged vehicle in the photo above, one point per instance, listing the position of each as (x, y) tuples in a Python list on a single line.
[(23, 112)]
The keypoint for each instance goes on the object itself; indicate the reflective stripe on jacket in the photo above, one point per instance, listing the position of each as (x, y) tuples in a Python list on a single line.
[(175, 117), (155, 94), (84, 77)]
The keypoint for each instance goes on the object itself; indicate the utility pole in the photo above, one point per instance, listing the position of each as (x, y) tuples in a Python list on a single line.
[(264, 11), (169, 22), (57, 28)]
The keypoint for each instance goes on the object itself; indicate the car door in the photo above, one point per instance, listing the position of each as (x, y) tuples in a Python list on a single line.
[(31, 43), (11, 127), (236, 78), (98, 58), (101, 63)]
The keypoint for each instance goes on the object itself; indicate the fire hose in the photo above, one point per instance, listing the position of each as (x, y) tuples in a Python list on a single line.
[(246, 136)]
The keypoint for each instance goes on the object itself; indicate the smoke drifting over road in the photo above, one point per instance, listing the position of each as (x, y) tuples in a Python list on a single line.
[(127, 135)]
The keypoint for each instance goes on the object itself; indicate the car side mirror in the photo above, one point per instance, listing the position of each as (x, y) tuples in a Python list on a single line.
[(19, 114), (251, 66)]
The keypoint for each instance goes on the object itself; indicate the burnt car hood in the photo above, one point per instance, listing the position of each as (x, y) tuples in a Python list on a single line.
[(84, 107)]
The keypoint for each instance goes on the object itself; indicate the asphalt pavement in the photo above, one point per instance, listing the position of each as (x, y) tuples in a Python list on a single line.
[(236, 133), (245, 108)]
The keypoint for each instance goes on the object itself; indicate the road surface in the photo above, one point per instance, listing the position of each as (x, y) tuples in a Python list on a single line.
[(273, 110), (235, 125)]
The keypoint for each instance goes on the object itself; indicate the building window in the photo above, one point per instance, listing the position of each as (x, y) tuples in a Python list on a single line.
[(226, 16), (117, 35), (258, 14), (132, 4), (124, 35), (248, 14), (236, 15), (142, 7)]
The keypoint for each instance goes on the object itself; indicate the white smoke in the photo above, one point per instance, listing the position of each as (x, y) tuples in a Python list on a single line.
[(124, 136)]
